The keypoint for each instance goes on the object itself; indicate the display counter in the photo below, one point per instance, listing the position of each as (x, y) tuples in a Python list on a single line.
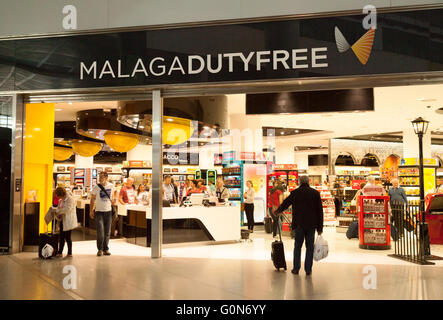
[(181, 224)]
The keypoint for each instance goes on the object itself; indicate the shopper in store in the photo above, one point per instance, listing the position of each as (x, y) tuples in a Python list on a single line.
[(276, 199), (201, 187), (307, 216), (282, 184), (117, 223), (146, 184), (66, 214), (184, 188), (142, 195), (101, 210), (221, 192), (168, 190), (193, 188), (248, 197), (397, 194), (128, 193), (211, 188), (174, 184)]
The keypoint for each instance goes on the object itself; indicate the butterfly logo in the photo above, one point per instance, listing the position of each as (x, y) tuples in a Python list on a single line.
[(362, 47)]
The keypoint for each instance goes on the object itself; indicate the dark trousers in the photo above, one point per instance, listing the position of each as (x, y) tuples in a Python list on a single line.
[(300, 236), (64, 235), (249, 210), (103, 223)]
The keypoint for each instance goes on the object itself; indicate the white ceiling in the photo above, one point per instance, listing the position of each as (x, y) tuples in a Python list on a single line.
[(67, 111), (395, 107)]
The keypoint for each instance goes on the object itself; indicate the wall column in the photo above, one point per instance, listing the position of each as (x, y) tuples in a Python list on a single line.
[(157, 179)]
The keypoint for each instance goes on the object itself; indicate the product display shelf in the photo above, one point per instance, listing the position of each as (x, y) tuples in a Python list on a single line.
[(374, 229), (328, 206)]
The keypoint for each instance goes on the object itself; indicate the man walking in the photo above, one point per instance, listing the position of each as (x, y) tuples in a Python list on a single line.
[(397, 199), (101, 198), (307, 216)]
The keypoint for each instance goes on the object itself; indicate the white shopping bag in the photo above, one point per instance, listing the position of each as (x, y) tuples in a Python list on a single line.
[(321, 249), (47, 251)]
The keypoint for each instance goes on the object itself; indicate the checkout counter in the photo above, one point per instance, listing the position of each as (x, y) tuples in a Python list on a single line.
[(182, 224)]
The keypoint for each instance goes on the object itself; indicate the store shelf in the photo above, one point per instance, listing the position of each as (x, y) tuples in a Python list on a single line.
[(412, 196), (408, 185), (228, 186), (235, 198), (408, 176)]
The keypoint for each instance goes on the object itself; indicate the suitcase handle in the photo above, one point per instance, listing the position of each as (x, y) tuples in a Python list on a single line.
[(279, 226)]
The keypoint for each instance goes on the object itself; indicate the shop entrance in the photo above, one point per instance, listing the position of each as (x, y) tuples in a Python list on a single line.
[(211, 141)]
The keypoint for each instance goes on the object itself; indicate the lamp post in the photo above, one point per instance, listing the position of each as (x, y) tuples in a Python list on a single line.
[(420, 127)]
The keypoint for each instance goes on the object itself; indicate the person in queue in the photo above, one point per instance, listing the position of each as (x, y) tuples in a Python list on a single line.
[(174, 185), (276, 199), (249, 196), (142, 195), (201, 187), (168, 190), (184, 189), (146, 184), (211, 188), (101, 210), (307, 216), (127, 193), (66, 214), (221, 192), (193, 188)]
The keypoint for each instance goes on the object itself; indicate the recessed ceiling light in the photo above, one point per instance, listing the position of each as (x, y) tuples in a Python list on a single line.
[(426, 99), (58, 109), (296, 131), (70, 103)]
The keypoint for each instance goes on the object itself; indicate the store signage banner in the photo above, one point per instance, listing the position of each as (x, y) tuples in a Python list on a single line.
[(180, 158), (403, 42)]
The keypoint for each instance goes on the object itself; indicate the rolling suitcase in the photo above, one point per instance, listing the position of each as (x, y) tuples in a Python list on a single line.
[(278, 251), (48, 244)]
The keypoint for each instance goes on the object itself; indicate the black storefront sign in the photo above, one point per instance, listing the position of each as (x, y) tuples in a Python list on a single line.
[(180, 158), (404, 42)]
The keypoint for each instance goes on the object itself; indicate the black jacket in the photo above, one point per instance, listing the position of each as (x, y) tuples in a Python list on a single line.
[(307, 208)]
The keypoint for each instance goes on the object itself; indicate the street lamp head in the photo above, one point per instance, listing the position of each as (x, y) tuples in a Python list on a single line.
[(420, 125)]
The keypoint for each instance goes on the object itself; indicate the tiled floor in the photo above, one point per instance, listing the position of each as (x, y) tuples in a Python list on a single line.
[(225, 271)]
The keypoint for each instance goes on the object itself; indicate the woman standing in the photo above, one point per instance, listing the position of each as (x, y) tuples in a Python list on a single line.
[(142, 195), (249, 204), (276, 197), (67, 215), (193, 188)]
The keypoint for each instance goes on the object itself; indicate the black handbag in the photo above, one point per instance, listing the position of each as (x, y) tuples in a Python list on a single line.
[(114, 213)]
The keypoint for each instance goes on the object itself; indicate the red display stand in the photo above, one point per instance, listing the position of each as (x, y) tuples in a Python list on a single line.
[(434, 217), (373, 222)]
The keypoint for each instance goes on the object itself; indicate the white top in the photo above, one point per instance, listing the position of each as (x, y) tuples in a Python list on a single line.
[(250, 195), (143, 198), (102, 202), (168, 192), (66, 207)]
